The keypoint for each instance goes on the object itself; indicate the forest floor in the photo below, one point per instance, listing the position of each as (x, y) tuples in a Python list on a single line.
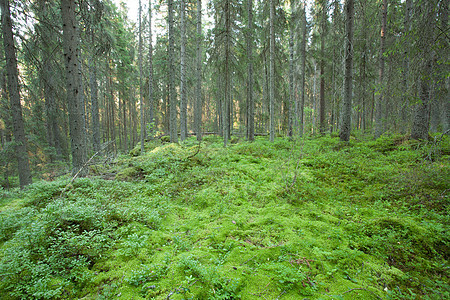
[(312, 218)]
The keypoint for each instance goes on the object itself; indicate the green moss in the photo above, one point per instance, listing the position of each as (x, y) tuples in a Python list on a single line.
[(311, 218)]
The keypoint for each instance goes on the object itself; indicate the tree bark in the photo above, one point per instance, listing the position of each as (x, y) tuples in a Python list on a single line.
[(183, 98), (141, 87), (151, 101), (71, 45), (421, 122), (379, 103), (345, 129), (272, 73), (292, 105), (303, 70), (25, 177), (198, 91), (172, 94), (226, 101), (94, 105), (322, 125), (250, 102)]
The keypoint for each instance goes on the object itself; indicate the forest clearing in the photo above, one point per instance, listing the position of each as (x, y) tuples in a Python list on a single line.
[(314, 218)]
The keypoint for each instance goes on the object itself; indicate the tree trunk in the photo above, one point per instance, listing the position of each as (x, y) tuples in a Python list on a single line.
[(379, 103), (94, 105), (303, 69), (292, 110), (322, 125), (183, 98), (151, 101), (198, 91), (272, 73), (172, 94), (345, 129), (406, 91), (141, 87), (226, 100), (71, 45), (250, 102), (14, 96), (421, 123)]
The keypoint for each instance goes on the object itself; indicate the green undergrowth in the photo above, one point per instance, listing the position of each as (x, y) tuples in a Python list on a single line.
[(312, 218)]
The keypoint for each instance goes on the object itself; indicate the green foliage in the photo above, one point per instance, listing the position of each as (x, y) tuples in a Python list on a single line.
[(293, 219)]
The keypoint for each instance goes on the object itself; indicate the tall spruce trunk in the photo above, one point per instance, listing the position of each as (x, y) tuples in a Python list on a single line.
[(226, 101), (71, 45), (345, 129), (421, 121), (95, 114), (303, 70), (272, 73), (14, 97), (322, 124), (292, 106), (250, 101), (379, 101), (151, 102), (172, 94), (198, 90), (183, 98), (141, 87), (406, 63)]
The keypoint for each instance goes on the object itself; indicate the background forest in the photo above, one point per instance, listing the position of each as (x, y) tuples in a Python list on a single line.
[(233, 67)]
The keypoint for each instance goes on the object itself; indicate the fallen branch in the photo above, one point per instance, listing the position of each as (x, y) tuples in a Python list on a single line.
[(83, 166)]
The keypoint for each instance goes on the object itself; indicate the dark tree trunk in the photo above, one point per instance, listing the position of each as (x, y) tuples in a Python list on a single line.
[(172, 94), (379, 101), (250, 102), (14, 96), (345, 129), (198, 91)]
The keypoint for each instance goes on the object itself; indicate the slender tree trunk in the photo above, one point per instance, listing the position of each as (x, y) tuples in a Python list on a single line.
[(172, 94), (379, 103), (226, 101), (183, 98), (14, 96), (151, 101), (94, 106), (322, 120), (345, 129), (71, 43), (198, 91), (141, 87), (303, 69), (421, 122), (406, 91), (250, 102), (272, 73), (292, 110)]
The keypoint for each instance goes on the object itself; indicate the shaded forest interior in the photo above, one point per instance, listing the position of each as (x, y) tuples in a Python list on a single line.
[(90, 77)]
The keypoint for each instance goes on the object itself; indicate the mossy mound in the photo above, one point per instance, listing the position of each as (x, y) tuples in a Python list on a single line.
[(310, 218)]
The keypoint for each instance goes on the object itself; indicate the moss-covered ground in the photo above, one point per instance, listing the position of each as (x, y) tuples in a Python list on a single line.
[(312, 218)]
